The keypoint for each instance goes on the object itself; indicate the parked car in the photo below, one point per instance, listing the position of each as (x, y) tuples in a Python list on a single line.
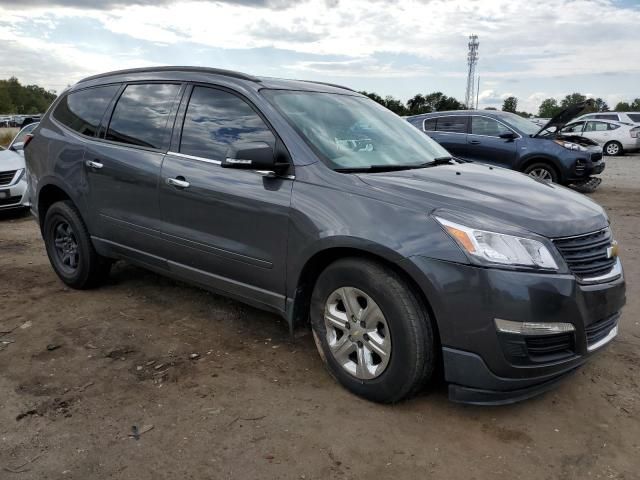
[(616, 138), (507, 140), (13, 184), (17, 144), (626, 117), (314, 202)]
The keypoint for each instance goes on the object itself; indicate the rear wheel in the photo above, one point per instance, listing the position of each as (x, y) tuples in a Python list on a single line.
[(542, 171), (69, 247), (371, 330), (612, 148)]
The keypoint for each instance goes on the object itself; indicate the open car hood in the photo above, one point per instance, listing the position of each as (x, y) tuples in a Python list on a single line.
[(565, 116)]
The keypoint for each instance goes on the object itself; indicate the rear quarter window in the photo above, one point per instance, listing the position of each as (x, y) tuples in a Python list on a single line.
[(635, 117), (82, 111)]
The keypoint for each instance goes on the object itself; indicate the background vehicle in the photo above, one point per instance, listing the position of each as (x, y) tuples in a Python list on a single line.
[(313, 201), (507, 140), (13, 182), (627, 117), (17, 144), (616, 138)]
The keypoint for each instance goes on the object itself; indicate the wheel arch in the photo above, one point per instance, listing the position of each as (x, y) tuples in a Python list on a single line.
[(298, 306), (542, 159), (49, 194)]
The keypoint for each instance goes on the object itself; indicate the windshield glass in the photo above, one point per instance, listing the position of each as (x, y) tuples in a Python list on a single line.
[(354, 132), (524, 125)]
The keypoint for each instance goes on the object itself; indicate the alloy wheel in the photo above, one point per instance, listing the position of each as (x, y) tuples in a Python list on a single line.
[(357, 333), (541, 174), (66, 246), (613, 149)]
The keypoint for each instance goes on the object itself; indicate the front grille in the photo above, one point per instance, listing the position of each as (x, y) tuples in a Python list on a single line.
[(597, 331), (586, 255), (6, 177), (9, 200), (545, 345)]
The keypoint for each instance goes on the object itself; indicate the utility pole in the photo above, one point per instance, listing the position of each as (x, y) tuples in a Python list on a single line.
[(472, 60), (478, 92)]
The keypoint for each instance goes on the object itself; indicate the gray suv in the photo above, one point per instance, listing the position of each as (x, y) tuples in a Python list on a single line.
[(314, 202)]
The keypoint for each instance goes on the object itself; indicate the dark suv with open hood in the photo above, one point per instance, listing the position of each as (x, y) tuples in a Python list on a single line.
[(510, 141), (314, 202)]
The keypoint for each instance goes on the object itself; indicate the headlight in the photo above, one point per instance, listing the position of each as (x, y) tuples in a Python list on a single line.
[(571, 145), (498, 248)]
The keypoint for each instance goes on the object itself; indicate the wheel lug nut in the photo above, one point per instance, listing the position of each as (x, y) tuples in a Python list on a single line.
[(359, 344), (366, 336), (347, 326), (362, 324)]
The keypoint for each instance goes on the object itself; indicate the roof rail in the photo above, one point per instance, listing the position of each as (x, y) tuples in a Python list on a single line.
[(329, 85), (215, 71)]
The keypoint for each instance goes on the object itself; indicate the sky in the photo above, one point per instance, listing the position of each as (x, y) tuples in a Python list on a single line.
[(529, 49)]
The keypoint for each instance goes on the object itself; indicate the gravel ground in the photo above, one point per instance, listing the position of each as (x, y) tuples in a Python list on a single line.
[(79, 369)]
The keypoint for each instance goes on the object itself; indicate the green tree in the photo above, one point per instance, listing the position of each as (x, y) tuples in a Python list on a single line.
[(510, 105), (600, 105), (417, 105), (20, 99), (549, 108), (572, 99)]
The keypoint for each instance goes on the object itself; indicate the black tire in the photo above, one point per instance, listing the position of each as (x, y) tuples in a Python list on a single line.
[(413, 354), (612, 148), (537, 169), (87, 269)]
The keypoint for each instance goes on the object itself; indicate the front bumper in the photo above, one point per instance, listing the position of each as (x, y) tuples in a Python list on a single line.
[(15, 194), (478, 364)]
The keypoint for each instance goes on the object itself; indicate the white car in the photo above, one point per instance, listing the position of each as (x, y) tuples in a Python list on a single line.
[(625, 117), (13, 182), (615, 137), (17, 144)]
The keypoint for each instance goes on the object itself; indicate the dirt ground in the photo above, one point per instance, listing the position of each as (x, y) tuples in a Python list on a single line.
[(79, 369)]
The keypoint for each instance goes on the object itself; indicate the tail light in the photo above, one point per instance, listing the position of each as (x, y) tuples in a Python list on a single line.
[(27, 138), (635, 132)]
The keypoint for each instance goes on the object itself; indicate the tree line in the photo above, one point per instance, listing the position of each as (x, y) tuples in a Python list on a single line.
[(16, 98), (437, 102)]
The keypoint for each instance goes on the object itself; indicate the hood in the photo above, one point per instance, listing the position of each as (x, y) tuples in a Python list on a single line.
[(10, 160), (493, 195), (565, 116)]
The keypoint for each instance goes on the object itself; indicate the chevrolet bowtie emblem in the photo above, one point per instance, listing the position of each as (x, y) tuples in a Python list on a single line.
[(612, 251)]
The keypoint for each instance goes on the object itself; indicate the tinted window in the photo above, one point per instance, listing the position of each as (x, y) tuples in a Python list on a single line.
[(487, 126), (141, 115), (596, 127), (607, 117), (635, 117), (429, 125), (457, 124), (216, 119), (82, 111)]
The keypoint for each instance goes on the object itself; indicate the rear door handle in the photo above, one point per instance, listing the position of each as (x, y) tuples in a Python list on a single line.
[(179, 182), (92, 164), (474, 142)]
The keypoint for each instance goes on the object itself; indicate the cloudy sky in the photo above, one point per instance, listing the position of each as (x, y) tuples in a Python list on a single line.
[(529, 49)]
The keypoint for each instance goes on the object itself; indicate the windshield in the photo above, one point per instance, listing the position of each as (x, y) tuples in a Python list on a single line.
[(350, 132), (524, 125)]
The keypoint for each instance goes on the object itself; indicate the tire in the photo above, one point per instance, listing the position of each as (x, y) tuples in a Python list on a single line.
[(542, 171), (612, 148), (402, 324), (69, 248)]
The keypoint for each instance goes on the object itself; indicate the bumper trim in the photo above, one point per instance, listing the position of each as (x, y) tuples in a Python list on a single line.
[(477, 396), (610, 336)]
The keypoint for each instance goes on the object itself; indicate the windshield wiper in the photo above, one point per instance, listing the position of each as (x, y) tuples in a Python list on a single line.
[(395, 168)]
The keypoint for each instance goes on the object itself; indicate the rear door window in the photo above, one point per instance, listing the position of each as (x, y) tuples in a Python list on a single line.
[(487, 127), (216, 119), (82, 111), (453, 124), (141, 116), (596, 127)]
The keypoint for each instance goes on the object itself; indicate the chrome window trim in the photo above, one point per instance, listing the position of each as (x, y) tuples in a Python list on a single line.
[(194, 157)]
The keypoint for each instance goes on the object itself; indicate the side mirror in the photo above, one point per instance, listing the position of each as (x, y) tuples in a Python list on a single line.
[(508, 135), (250, 156)]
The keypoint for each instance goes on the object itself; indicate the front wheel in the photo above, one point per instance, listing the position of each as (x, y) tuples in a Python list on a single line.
[(373, 333), (612, 149), (542, 171), (69, 247)]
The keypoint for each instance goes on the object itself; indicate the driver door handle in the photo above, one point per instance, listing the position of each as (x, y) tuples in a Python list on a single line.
[(92, 164), (474, 142), (179, 182)]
